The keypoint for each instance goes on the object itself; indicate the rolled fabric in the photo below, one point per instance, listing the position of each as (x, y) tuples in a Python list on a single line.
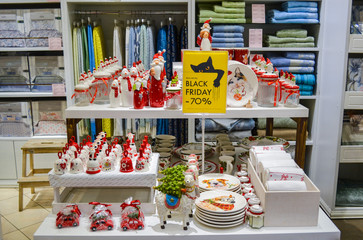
[(283, 174), (285, 186), (264, 164)]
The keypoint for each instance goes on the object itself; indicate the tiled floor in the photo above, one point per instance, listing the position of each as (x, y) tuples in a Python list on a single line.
[(22, 225)]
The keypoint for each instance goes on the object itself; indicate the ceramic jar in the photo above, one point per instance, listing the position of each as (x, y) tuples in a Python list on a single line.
[(101, 83), (249, 195), (291, 96), (268, 91), (82, 95), (254, 201), (173, 98), (255, 216)]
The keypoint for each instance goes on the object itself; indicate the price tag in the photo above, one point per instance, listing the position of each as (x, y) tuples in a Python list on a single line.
[(258, 13), (55, 43), (58, 89), (255, 38), (205, 81)]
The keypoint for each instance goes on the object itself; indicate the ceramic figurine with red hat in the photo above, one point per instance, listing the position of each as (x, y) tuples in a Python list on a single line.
[(93, 165), (204, 39), (115, 96), (138, 94), (157, 72), (126, 88), (60, 165)]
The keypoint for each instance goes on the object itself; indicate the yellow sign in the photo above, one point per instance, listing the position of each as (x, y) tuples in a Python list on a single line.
[(205, 81)]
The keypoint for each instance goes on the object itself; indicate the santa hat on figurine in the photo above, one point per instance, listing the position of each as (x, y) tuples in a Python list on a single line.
[(206, 26)]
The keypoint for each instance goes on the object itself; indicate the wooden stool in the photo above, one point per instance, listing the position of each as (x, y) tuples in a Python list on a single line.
[(31, 147)]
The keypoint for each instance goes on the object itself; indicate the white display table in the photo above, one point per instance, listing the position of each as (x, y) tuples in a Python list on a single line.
[(325, 230)]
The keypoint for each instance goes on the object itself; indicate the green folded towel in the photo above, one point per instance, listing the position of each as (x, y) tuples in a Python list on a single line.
[(208, 14), (220, 9), (292, 45), (278, 123), (223, 20), (273, 39), (233, 4), (295, 33), (205, 6)]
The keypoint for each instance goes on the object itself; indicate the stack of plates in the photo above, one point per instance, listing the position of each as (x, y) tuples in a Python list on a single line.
[(220, 209), (218, 181)]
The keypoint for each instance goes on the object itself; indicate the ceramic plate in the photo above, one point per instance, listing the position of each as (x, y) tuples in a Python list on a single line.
[(237, 217), (242, 84), (221, 201), (211, 221), (165, 137), (185, 157), (196, 146), (248, 142), (217, 181), (237, 189), (222, 215), (217, 226), (209, 167)]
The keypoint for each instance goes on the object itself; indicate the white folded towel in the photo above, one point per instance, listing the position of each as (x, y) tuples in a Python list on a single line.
[(283, 174), (264, 164), (285, 186)]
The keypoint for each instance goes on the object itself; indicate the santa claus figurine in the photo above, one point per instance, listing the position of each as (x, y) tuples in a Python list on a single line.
[(204, 39), (157, 73), (138, 94)]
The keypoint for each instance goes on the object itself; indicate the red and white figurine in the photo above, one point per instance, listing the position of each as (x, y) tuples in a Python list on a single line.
[(157, 72), (204, 39), (138, 94)]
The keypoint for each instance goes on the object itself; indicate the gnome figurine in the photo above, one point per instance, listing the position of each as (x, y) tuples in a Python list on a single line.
[(126, 88), (138, 94), (157, 72), (204, 39)]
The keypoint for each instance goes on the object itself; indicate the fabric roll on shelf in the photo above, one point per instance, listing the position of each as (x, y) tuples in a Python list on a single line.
[(306, 87), (306, 79)]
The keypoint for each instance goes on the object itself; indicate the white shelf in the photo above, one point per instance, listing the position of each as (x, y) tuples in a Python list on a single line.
[(103, 111), (27, 49), (353, 100), (326, 230), (33, 137), (313, 97), (26, 94), (271, 49)]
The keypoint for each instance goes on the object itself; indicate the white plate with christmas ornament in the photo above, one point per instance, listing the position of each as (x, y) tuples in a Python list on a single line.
[(218, 181), (242, 84), (221, 201), (234, 224)]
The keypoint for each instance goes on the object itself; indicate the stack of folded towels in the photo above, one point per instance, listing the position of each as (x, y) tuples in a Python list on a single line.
[(284, 128), (302, 65), (227, 36), (295, 12), (290, 38), (276, 169), (229, 12)]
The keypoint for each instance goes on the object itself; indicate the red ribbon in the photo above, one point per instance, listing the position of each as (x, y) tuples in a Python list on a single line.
[(116, 91), (291, 91), (254, 213), (78, 91), (171, 95), (133, 203), (276, 88), (129, 83)]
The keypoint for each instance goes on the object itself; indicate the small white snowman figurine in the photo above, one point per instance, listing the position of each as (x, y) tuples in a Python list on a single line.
[(76, 165), (127, 95), (107, 164), (115, 95), (60, 165), (93, 166)]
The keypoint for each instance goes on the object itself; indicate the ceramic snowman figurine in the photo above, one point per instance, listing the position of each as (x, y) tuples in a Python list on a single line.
[(204, 39), (126, 164), (107, 164), (141, 163), (115, 96), (126, 88), (60, 165), (133, 73), (76, 165), (138, 94), (93, 165)]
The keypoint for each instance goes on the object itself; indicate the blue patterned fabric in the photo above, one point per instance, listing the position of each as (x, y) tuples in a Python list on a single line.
[(91, 53), (137, 43), (171, 50), (184, 37), (150, 47), (161, 42), (286, 62), (132, 46), (297, 69)]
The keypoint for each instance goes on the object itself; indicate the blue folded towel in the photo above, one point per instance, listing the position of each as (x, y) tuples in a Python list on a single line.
[(306, 93), (227, 40), (227, 45), (309, 21), (306, 79), (297, 69), (287, 62), (276, 14), (297, 55), (228, 28), (306, 87), (301, 9), (292, 4), (227, 35)]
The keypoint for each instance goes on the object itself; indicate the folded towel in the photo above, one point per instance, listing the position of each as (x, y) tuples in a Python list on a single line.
[(306, 79), (306, 87), (306, 93), (214, 15), (295, 33), (264, 164), (227, 35), (276, 14), (291, 4), (284, 133), (297, 55), (296, 20), (228, 29), (291, 45), (272, 39), (227, 45), (285, 186), (205, 6), (227, 40), (283, 174), (286, 62), (233, 4), (220, 9), (278, 123), (297, 69), (223, 20), (301, 9)]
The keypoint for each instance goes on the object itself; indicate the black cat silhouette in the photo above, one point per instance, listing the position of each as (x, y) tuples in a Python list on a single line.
[(207, 67)]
